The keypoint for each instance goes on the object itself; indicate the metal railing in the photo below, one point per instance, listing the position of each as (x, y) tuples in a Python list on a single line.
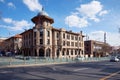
[(21, 60)]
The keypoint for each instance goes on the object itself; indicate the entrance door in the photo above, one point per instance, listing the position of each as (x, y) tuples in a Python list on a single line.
[(41, 52), (48, 52), (58, 53)]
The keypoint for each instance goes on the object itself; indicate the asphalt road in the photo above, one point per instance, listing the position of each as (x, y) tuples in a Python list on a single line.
[(104, 70)]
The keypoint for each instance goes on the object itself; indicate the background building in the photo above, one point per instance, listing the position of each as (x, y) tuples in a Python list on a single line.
[(96, 48), (13, 43)]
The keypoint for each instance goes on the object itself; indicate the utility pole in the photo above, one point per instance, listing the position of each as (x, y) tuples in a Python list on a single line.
[(105, 37), (105, 46)]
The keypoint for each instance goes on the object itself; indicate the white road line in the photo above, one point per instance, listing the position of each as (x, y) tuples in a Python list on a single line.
[(53, 68), (6, 72), (108, 64), (80, 69)]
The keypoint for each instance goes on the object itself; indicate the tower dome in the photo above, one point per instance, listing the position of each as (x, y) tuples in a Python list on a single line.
[(41, 13), (41, 16)]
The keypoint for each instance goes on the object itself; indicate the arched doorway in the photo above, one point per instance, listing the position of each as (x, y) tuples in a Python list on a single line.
[(48, 52), (58, 53), (63, 52), (41, 52), (67, 52), (35, 52)]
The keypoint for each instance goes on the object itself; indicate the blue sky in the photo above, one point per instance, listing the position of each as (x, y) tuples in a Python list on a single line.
[(93, 17)]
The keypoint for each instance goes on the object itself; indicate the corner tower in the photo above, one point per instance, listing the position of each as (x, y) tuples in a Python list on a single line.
[(42, 35)]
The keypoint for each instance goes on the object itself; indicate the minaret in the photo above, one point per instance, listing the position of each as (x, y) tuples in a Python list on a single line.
[(42, 28)]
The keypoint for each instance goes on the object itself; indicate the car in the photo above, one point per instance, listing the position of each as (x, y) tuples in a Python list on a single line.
[(114, 59), (79, 58), (8, 54), (1, 54)]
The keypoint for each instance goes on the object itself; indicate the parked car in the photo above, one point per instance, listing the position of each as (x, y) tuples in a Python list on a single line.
[(114, 59), (1, 54), (79, 58), (8, 54)]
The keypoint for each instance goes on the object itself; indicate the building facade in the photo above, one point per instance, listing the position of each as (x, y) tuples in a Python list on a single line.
[(13, 43), (44, 40), (96, 48), (27, 42)]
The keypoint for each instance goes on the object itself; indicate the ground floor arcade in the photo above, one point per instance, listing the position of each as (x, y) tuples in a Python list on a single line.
[(53, 53)]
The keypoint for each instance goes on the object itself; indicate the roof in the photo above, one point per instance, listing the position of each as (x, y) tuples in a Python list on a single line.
[(70, 32), (29, 30), (42, 17), (18, 36)]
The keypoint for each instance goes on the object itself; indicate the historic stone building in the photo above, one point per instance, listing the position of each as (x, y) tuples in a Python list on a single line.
[(46, 41)]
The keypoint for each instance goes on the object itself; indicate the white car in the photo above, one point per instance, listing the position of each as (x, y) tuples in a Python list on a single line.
[(114, 59), (79, 58)]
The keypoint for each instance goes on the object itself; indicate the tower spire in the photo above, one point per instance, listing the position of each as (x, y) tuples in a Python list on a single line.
[(42, 8)]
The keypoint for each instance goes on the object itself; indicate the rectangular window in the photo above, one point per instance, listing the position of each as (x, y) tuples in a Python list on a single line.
[(35, 42), (63, 43), (63, 35), (76, 44), (41, 34), (68, 36), (41, 41), (72, 43), (48, 33), (48, 41), (76, 38), (68, 43), (72, 37), (57, 35), (57, 42), (34, 34)]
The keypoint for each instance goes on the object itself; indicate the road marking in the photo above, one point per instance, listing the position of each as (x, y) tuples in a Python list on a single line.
[(53, 68), (6, 72), (113, 74), (108, 64), (80, 69)]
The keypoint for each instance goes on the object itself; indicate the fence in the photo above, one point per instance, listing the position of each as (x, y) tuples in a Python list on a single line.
[(21, 60)]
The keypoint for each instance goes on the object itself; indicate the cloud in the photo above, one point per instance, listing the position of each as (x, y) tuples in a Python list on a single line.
[(16, 25), (89, 12), (103, 13), (10, 4), (7, 20), (111, 38), (91, 9), (75, 21), (2, 1), (33, 5)]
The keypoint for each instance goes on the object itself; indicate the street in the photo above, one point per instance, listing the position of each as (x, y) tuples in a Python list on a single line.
[(103, 70)]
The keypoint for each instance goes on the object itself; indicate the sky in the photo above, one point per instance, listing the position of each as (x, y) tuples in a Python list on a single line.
[(93, 17)]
